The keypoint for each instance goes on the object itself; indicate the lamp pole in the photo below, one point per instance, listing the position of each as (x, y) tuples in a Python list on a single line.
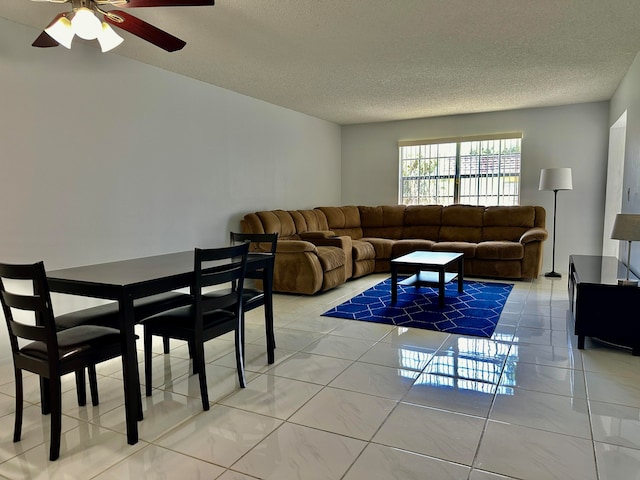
[(553, 273)]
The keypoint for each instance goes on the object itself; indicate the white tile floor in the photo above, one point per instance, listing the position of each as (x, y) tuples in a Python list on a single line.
[(357, 401)]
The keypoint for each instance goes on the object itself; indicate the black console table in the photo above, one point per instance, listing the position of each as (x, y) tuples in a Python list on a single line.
[(602, 308)]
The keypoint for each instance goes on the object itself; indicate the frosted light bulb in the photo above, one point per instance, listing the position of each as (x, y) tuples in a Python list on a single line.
[(85, 24)]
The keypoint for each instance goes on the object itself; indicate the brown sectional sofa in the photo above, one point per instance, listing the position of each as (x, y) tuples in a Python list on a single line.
[(321, 248)]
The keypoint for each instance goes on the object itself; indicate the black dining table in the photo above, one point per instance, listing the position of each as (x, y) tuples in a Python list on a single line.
[(128, 280)]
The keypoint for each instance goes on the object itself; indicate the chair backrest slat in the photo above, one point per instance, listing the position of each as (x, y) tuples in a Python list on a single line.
[(37, 302), (25, 302), (217, 267)]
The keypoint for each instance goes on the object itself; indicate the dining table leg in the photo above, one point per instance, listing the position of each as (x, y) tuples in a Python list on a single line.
[(268, 310), (132, 401)]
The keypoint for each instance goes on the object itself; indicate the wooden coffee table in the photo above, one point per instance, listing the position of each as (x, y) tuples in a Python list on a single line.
[(431, 271)]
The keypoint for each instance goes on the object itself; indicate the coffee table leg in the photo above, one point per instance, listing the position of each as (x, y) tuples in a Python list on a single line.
[(461, 275), (441, 287), (394, 283)]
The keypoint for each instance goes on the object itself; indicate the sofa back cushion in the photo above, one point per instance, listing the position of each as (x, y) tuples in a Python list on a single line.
[(422, 221), (384, 221), (288, 224), (278, 221), (343, 220), (507, 223), (461, 223), (251, 223), (309, 221)]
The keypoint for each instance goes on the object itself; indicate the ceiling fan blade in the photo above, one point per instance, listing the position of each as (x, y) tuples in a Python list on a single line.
[(166, 3), (144, 30), (44, 41)]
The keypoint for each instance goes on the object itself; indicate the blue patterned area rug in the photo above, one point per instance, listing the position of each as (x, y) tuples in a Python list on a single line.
[(475, 312)]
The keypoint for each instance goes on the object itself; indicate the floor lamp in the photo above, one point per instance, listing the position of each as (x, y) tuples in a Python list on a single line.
[(555, 179)]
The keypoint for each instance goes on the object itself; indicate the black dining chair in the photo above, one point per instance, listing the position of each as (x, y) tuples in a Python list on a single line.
[(206, 318), (38, 347), (254, 296)]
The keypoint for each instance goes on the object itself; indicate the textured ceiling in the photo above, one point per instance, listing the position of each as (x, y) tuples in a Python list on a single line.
[(357, 61)]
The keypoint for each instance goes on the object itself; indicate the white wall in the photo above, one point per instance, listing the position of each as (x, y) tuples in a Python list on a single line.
[(627, 98), (573, 136), (105, 158)]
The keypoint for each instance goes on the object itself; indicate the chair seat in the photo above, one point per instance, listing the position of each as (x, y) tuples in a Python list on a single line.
[(76, 341), (331, 258), (251, 297), (183, 317), (108, 314)]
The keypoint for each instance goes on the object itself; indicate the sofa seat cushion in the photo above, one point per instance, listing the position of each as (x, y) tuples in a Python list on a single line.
[(295, 246), (469, 249), (402, 247), (364, 258), (493, 269), (382, 246), (363, 267), (500, 250), (363, 251), (331, 258)]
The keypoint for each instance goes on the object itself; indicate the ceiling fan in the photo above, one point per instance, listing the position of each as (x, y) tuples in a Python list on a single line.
[(83, 21)]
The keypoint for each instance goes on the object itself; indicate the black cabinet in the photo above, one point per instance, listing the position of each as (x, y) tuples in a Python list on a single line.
[(602, 308)]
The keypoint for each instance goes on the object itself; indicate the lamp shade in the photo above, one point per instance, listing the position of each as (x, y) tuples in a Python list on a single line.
[(61, 31), (555, 179), (108, 38), (626, 227)]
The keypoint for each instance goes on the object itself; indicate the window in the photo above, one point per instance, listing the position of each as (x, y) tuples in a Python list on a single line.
[(472, 171)]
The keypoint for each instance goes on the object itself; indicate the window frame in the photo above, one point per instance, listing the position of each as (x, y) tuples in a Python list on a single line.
[(452, 164)]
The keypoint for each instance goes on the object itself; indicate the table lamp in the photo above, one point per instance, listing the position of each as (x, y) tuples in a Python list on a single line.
[(627, 227), (555, 179)]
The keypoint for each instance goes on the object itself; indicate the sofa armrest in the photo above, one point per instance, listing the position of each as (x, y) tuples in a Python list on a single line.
[(295, 246), (312, 235), (537, 234), (344, 242)]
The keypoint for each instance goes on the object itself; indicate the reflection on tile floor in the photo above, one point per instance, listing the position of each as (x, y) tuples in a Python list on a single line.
[(350, 400)]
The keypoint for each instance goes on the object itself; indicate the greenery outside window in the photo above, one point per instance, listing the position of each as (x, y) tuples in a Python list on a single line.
[(483, 170)]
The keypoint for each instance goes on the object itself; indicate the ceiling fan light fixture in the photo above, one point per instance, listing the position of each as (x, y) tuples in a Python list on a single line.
[(85, 24), (61, 31), (108, 38)]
